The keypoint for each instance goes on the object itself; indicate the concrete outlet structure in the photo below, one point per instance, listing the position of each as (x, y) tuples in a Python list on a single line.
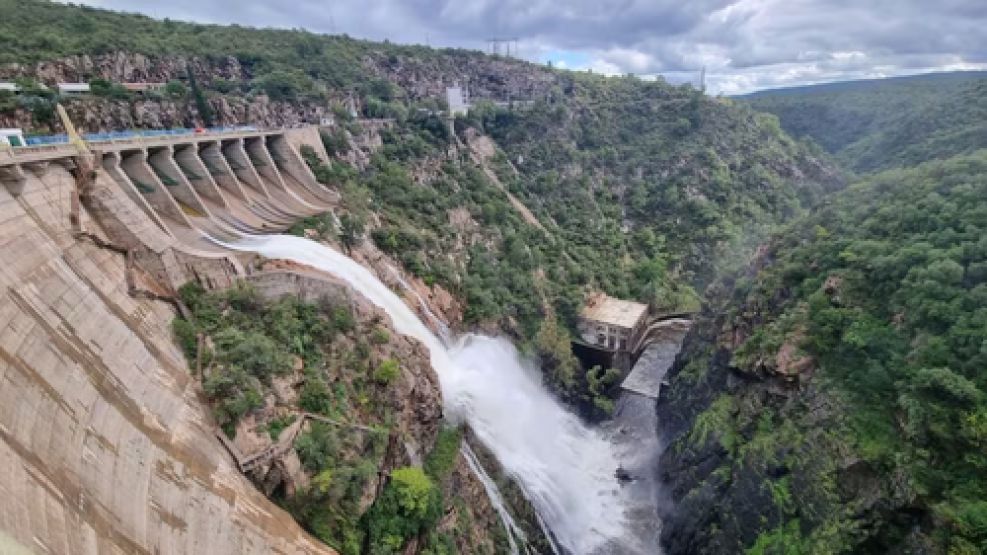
[(612, 324)]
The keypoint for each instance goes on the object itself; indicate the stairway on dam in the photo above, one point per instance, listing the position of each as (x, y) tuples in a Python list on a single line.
[(105, 443)]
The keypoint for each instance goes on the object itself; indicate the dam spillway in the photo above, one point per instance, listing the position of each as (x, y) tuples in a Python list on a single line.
[(105, 444), (165, 198)]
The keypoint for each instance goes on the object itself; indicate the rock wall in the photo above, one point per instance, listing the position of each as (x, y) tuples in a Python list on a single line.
[(744, 450), (94, 114), (498, 79), (126, 67), (105, 445)]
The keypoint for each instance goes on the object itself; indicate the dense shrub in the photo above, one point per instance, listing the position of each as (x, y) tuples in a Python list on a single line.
[(442, 458), (387, 371), (409, 505)]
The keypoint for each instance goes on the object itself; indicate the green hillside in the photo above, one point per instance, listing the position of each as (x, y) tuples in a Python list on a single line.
[(859, 420), (643, 190), (879, 124), (37, 31)]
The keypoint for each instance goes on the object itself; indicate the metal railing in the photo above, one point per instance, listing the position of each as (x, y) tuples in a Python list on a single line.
[(114, 136), (54, 146)]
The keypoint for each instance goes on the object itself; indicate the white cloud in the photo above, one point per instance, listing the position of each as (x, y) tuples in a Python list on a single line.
[(744, 44)]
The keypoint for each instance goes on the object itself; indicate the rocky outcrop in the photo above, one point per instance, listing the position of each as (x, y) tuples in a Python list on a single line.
[(759, 449), (98, 115), (414, 400), (494, 79), (407, 409), (723, 492), (127, 67), (490, 78)]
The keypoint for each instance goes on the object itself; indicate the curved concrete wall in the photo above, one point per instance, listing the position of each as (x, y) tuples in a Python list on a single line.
[(135, 166), (188, 161), (105, 445)]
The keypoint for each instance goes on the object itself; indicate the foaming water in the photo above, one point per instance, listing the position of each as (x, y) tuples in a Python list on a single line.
[(564, 467)]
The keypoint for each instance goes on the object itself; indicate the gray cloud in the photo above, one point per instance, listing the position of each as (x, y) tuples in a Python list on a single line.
[(745, 44)]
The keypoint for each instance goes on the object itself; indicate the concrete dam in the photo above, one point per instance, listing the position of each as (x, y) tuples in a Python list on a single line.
[(105, 443)]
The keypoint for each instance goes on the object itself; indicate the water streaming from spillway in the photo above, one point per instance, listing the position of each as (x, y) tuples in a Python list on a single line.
[(565, 468), (514, 531)]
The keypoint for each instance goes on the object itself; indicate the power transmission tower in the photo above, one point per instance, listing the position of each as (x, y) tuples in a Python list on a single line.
[(501, 45)]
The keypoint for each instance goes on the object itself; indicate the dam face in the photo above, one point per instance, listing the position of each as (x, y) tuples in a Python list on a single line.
[(105, 444)]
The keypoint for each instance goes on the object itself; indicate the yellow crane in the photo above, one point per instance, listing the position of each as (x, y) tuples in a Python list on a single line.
[(84, 170)]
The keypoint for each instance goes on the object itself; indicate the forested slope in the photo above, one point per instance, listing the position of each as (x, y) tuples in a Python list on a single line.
[(643, 190), (880, 124), (834, 399)]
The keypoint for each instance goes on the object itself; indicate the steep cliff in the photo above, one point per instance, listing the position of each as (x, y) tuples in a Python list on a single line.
[(832, 399)]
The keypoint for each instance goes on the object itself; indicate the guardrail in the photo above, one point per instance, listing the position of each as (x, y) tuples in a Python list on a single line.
[(56, 146), (20, 154), (144, 133)]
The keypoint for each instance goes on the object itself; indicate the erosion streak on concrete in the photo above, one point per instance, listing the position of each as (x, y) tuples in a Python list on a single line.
[(105, 443)]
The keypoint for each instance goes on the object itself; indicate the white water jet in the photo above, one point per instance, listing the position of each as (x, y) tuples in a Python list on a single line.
[(514, 532), (436, 321), (565, 468)]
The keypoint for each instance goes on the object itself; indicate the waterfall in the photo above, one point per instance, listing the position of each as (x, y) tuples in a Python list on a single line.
[(436, 321), (514, 532), (565, 468)]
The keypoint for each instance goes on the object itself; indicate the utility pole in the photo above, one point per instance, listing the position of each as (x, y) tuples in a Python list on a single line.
[(702, 80)]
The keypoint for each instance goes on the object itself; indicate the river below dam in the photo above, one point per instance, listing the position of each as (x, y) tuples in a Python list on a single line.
[(633, 432), (565, 468)]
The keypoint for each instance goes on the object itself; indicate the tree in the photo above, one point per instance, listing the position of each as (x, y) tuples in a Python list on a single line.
[(104, 88), (554, 347), (285, 84), (205, 111), (351, 229), (175, 89), (409, 505)]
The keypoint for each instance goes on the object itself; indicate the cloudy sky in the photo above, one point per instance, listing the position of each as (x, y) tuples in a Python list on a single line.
[(745, 45)]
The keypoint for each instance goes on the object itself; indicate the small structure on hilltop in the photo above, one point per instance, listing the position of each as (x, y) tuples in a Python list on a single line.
[(610, 323), (458, 99)]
